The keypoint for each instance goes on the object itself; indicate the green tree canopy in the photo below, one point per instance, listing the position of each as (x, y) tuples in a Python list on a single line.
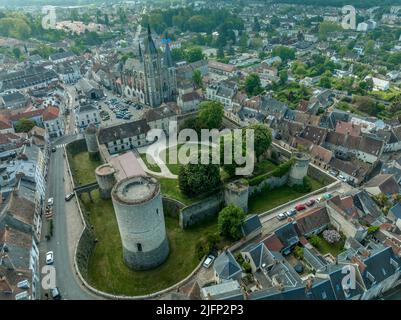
[(196, 179), (230, 220), (253, 85), (210, 115), (24, 125), (285, 53)]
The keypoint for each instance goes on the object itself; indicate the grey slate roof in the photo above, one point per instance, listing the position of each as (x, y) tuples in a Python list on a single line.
[(226, 266), (122, 131), (396, 210), (251, 224)]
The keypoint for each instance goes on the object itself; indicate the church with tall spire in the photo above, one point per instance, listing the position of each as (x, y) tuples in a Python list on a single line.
[(150, 78)]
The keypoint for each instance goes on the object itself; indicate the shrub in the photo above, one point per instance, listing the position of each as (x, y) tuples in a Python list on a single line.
[(373, 229), (314, 240), (247, 267), (299, 252)]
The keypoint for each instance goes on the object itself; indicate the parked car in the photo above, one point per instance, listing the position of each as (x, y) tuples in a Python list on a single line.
[(69, 196), (300, 207), (327, 196), (50, 201), (55, 292), (281, 216), (54, 149), (310, 202), (291, 212), (209, 261), (333, 173), (49, 257)]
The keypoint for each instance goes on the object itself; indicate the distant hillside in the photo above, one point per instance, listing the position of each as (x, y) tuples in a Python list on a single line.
[(340, 3), (21, 3)]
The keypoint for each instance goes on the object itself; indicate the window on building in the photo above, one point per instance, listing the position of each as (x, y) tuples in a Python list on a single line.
[(157, 210), (139, 246)]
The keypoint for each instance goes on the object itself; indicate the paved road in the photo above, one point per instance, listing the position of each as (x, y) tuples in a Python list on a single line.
[(66, 280)]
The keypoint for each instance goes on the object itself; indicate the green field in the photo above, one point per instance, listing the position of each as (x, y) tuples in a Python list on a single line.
[(334, 249), (107, 270), (82, 168), (270, 199)]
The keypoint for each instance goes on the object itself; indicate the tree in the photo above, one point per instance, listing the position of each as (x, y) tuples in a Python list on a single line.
[(210, 115), (193, 54), (262, 138), (196, 179), (283, 76), (256, 25), (24, 125), (220, 53), (253, 85), (197, 78), (325, 80), (243, 42), (230, 221), (285, 53), (17, 52), (370, 47), (331, 236)]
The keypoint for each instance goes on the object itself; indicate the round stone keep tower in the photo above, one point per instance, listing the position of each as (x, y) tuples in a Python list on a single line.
[(237, 193), (91, 142), (139, 210), (105, 179), (299, 169)]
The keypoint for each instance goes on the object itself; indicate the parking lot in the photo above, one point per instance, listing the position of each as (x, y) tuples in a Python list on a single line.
[(115, 110)]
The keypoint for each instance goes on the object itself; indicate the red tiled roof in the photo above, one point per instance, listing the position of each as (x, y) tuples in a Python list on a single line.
[(50, 113), (273, 243), (4, 122), (348, 128), (27, 115)]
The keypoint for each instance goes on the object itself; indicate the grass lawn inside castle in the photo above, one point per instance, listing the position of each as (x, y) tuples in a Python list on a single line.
[(106, 270)]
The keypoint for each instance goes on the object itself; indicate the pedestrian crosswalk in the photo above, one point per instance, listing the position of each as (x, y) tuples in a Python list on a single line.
[(59, 146)]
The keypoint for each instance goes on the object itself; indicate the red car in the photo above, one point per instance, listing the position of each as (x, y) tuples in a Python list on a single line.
[(300, 207)]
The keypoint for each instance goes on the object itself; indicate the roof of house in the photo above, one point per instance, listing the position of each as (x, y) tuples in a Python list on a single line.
[(251, 224), (379, 266), (21, 209), (61, 55), (385, 182), (226, 266), (13, 97), (221, 66), (228, 290), (5, 123), (396, 210), (321, 153), (27, 115), (50, 113), (321, 290), (348, 128), (273, 243), (287, 234), (122, 131), (312, 219), (161, 112)]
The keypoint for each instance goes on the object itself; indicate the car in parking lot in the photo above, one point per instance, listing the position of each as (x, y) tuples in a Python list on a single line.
[(281, 216), (310, 202), (300, 207), (49, 257), (208, 261)]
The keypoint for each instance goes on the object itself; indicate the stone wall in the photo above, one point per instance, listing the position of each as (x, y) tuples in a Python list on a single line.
[(84, 251), (272, 182), (320, 175), (172, 207), (202, 210)]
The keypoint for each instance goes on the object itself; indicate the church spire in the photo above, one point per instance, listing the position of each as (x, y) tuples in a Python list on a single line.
[(150, 47), (168, 58)]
